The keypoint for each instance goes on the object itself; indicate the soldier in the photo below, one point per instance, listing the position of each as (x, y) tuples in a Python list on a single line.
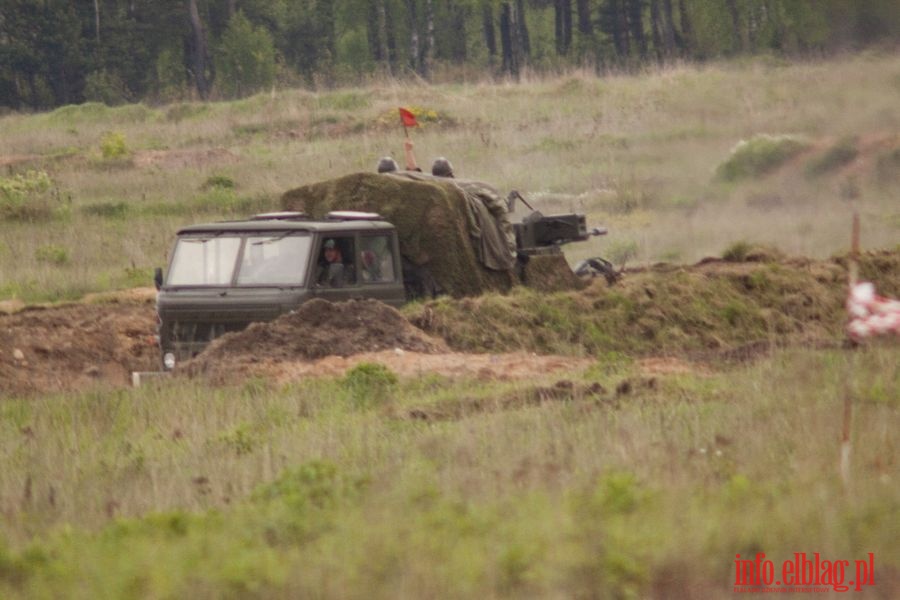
[(387, 165), (411, 164), (442, 168), (331, 266)]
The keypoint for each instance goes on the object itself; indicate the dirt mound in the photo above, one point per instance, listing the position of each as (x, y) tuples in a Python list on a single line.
[(665, 310), (75, 346), (315, 330), (713, 310)]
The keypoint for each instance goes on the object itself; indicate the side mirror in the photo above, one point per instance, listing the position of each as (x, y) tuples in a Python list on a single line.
[(158, 277)]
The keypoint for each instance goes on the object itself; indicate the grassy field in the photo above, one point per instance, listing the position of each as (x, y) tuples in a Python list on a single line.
[(342, 488), (638, 153), (613, 482)]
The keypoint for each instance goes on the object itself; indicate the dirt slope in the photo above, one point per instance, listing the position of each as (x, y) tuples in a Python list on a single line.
[(713, 307), (74, 346), (315, 330)]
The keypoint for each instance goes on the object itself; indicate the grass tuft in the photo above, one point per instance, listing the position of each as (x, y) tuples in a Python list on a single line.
[(842, 153), (758, 156)]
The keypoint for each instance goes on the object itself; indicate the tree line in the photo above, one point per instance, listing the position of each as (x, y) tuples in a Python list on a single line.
[(56, 52)]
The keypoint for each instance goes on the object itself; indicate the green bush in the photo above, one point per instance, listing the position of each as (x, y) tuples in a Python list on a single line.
[(738, 251), (369, 383), (112, 146), (758, 156), (28, 196), (218, 181), (842, 153)]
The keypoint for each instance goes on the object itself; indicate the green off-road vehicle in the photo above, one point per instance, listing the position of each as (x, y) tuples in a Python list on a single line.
[(389, 237)]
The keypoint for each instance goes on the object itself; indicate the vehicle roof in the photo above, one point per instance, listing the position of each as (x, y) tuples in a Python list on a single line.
[(311, 226)]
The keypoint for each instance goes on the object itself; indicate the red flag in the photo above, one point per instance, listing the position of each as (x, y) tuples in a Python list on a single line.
[(409, 119)]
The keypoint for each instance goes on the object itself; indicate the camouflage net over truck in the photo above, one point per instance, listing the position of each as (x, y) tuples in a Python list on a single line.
[(458, 230)]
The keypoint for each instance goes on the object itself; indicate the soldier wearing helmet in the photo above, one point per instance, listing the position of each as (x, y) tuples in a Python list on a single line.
[(442, 168), (387, 165)]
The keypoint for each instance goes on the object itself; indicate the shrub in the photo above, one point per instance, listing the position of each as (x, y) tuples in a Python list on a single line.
[(369, 383), (758, 156), (843, 152), (737, 252), (744, 251), (112, 146), (28, 196), (218, 181)]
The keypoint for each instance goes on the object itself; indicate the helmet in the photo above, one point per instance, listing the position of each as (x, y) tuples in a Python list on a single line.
[(387, 165), (442, 168)]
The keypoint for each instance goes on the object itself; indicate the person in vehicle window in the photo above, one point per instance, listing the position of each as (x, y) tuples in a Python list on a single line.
[(331, 266), (371, 269)]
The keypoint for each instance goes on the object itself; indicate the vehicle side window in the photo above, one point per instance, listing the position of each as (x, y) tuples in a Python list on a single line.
[(376, 259), (336, 266)]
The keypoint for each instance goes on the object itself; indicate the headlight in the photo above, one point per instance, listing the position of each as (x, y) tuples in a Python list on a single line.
[(169, 360)]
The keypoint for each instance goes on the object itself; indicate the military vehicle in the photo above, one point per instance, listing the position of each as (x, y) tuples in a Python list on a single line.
[(223, 276)]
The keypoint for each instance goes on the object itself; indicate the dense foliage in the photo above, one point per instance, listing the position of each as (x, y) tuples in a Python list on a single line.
[(57, 52)]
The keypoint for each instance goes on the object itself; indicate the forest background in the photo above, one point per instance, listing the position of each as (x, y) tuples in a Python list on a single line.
[(56, 52)]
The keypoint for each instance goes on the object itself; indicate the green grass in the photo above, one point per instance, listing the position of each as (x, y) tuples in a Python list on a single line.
[(758, 156), (843, 152), (665, 310), (268, 491), (369, 485), (636, 153)]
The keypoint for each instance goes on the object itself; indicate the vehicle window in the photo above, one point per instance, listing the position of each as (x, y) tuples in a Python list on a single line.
[(376, 259), (204, 260), (278, 259), (336, 264)]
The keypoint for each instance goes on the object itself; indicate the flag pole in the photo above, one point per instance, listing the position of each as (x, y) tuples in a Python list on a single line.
[(846, 426), (854, 250)]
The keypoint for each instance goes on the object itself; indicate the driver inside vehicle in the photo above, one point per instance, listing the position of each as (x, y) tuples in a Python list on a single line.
[(332, 271)]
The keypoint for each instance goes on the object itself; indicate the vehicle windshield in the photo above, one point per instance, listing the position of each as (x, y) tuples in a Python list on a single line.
[(270, 259), (206, 260), (279, 259)]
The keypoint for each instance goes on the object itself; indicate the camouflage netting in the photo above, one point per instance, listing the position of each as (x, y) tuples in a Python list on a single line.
[(551, 273), (457, 230)]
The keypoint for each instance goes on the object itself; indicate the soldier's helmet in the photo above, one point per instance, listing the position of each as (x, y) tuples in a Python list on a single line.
[(387, 165), (442, 168)]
